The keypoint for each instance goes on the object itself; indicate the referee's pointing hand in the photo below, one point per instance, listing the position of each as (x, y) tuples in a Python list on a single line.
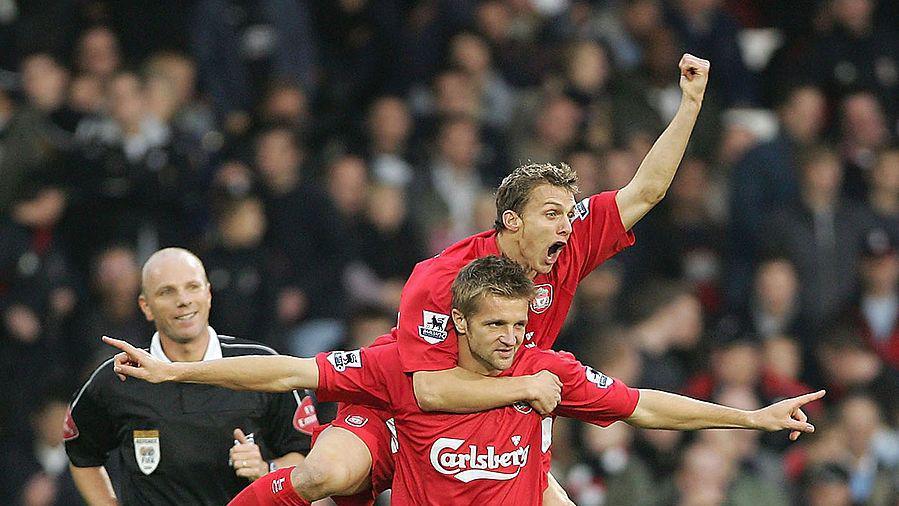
[(137, 363)]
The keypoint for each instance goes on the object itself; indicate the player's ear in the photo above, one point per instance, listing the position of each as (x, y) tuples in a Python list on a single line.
[(511, 220), (459, 322), (145, 307)]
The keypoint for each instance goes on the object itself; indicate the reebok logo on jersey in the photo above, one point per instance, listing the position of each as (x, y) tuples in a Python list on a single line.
[(598, 378), (343, 359), (473, 465), (433, 327)]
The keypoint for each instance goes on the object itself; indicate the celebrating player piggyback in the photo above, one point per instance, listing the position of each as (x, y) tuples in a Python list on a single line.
[(493, 456)]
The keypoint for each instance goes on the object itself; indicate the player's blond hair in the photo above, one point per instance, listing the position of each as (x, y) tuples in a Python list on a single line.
[(515, 190), (491, 275)]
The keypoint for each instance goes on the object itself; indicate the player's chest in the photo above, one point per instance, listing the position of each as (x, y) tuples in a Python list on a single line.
[(548, 310), (496, 446)]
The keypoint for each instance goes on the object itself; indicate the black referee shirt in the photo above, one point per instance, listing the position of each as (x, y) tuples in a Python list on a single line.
[(172, 439)]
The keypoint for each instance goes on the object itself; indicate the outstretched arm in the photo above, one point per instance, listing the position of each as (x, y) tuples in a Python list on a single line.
[(654, 176), (272, 373), (663, 410), (459, 390)]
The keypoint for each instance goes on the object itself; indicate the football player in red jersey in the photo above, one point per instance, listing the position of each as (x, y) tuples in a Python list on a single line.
[(538, 225), (448, 458)]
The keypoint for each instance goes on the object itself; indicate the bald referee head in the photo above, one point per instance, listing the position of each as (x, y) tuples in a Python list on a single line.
[(176, 297)]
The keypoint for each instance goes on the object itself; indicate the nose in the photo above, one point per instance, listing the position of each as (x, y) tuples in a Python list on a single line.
[(184, 299), (566, 227), (508, 337)]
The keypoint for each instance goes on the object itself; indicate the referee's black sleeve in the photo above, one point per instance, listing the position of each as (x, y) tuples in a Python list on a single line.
[(90, 433)]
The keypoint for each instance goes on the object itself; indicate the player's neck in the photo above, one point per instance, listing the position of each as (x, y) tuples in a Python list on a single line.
[(509, 246), (191, 351)]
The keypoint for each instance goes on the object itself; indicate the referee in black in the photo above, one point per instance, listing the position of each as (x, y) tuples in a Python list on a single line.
[(181, 444)]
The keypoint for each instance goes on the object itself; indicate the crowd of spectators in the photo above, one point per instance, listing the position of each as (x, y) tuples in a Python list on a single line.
[(311, 152)]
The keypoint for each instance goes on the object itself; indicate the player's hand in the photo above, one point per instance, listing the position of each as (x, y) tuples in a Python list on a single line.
[(544, 392), (787, 414), (137, 363), (694, 76), (245, 457)]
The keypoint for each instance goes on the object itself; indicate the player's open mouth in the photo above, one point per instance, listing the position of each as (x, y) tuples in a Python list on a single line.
[(186, 317), (552, 254)]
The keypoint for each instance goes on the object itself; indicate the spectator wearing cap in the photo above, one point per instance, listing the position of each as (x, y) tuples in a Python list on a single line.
[(876, 313)]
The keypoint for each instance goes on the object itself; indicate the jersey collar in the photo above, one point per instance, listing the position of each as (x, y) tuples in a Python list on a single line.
[(213, 349)]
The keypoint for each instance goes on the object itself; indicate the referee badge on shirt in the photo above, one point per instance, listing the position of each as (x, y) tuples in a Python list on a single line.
[(146, 450)]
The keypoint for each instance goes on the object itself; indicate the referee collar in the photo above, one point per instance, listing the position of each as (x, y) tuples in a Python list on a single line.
[(213, 349)]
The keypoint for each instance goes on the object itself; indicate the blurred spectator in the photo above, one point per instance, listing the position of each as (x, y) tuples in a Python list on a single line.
[(377, 276), (595, 309), (821, 235), (132, 182), (388, 131), (555, 131), (26, 147), (37, 472), (308, 236), (110, 311), (876, 313), (864, 133), (625, 26), (98, 53), (683, 240), (470, 53), (171, 90), (615, 109), (669, 325), (45, 83), (236, 52), (873, 452), (767, 178), (241, 270), (847, 364), (774, 307), (883, 197), (347, 185), (608, 472), (707, 29), (856, 53), (826, 485), (446, 193), (366, 324)]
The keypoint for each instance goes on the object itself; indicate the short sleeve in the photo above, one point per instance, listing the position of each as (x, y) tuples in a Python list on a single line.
[(589, 395), (291, 419), (425, 333), (357, 376), (597, 232), (89, 431)]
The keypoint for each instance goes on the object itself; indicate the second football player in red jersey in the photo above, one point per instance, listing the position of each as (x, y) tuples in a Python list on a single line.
[(488, 457), (558, 241)]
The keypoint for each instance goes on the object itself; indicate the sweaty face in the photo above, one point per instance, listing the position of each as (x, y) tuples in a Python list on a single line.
[(546, 226), (177, 298), (495, 331)]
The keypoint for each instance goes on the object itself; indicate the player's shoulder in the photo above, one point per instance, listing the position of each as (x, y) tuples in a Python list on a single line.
[(236, 346), (535, 359), (451, 260)]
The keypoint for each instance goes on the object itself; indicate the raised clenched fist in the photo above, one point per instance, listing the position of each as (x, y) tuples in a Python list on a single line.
[(694, 76)]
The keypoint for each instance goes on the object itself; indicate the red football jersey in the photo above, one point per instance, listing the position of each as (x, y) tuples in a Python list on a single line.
[(424, 330), (491, 457)]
